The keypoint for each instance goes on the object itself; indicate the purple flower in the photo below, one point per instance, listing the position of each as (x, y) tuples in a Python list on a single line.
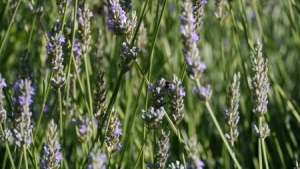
[(117, 21), (2, 83)]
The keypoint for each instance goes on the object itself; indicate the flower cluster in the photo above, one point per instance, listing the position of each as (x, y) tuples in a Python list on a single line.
[(194, 161), (231, 112), (260, 81), (204, 93), (113, 133), (84, 30), (52, 154), (189, 37), (260, 88), (55, 55), (198, 11), (153, 117), (128, 55), (177, 165), (84, 130), (162, 155), (21, 114), (158, 93), (61, 6), (3, 113), (117, 20), (176, 94), (97, 159), (6, 134), (100, 97)]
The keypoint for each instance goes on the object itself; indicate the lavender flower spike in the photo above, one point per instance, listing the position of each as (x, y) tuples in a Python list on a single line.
[(189, 37), (163, 146), (52, 154), (84, 29), (113, 133), (176, 94), (55, 55), (97, 159), (3, 113), (117, 21), (21, 114)]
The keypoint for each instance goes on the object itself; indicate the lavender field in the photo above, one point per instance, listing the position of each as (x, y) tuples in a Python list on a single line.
[(149, 84)]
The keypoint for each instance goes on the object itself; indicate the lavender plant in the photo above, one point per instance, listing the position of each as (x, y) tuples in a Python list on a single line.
[(5, 133), (100, 97), (260, 87), (152, 117)]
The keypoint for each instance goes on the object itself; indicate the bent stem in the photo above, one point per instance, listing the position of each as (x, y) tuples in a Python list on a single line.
[(222, 135)]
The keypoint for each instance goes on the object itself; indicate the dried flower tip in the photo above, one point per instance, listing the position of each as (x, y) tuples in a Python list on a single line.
[(163, 146), (153, 117), (100, 97), (176, 93), (61, 6), (198, 11)]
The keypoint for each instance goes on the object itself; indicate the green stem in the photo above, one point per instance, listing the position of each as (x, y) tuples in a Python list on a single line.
[(265, 154), (43, 106), (89, 90), (142, 150), (25, 156), (9, 26), (221, 134), (60, 114)]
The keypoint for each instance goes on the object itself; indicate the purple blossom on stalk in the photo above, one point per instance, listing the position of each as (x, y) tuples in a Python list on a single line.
[(193, 161), (55, 55), (176, 93), (117, 20), (113, 133), (128, 55), (51, 150), (84, 128), (21, 114), (3, 113), (204, 93), (158, 93), (195, 66), (198, 11), (163, 146), (97, 159)]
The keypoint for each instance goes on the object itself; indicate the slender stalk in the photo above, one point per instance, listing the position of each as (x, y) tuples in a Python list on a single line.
[(60, 113), (142, 150), (222, 135), (9, 26), (25, 156), (89, 90)]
